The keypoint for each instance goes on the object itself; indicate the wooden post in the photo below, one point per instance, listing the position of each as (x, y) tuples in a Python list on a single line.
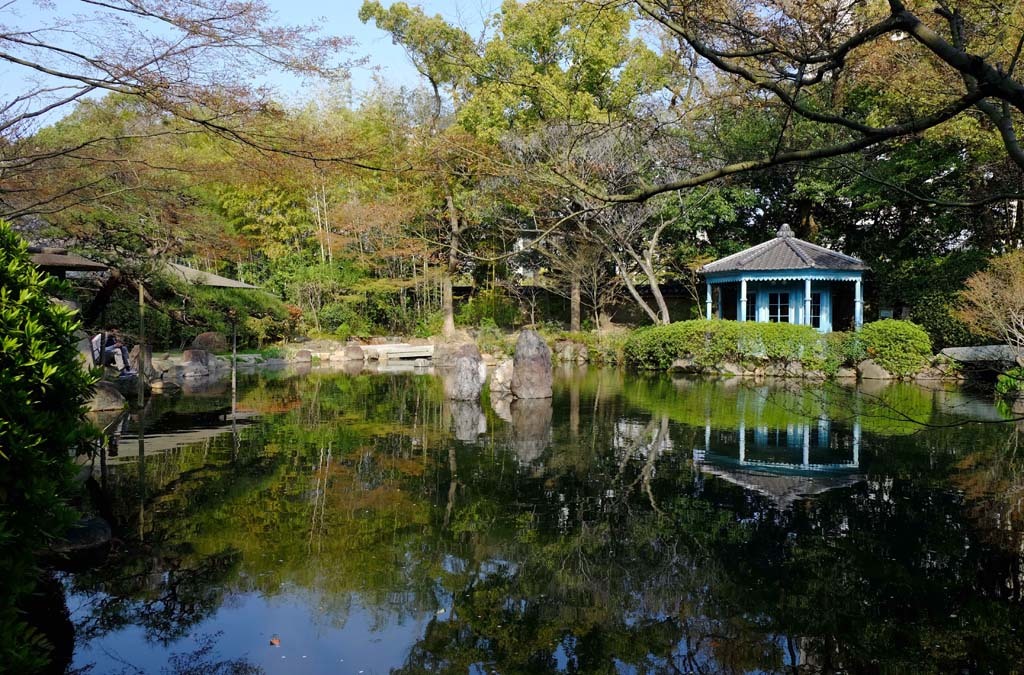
[(140, 368)]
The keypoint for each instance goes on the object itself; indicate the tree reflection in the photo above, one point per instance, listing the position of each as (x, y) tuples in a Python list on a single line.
[(581, 536)]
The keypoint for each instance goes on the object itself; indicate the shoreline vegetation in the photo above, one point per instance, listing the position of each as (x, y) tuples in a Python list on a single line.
[(887, 350)]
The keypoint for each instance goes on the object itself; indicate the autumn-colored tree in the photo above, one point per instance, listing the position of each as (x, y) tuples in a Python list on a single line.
[(993, 302)]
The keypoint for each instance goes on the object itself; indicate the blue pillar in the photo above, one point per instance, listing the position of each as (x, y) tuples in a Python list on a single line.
[(707, 301), (743, 300), (807, 302), (858, 305)]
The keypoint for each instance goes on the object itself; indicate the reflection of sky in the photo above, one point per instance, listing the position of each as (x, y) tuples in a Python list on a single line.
[(309, 642)]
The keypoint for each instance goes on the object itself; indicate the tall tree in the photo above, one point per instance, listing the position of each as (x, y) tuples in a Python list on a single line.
[(195, 62)]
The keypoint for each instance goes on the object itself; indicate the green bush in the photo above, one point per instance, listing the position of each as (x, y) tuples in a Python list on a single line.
[(709, 343), (901, 347), (843, 349), (934, 313), (43, 390), (1010, 384)]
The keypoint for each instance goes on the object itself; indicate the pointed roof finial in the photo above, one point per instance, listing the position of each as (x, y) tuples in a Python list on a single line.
[(784, 231)]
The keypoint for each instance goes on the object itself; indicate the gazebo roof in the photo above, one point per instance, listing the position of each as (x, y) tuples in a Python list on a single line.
[(785, 252), (195, 276), (61, 260)]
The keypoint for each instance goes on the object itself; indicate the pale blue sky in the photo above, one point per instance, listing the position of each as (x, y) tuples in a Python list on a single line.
[(384, 58), (340, 17)]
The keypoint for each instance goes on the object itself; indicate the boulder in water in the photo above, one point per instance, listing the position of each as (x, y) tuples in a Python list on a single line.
[(531, 367)]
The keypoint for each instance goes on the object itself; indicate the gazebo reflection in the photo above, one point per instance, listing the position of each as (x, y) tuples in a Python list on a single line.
[(783, 461)]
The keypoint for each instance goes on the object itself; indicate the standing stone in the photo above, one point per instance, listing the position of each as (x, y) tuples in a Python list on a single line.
[(303, 356), (531, 370), (211, 341), (462, 382)]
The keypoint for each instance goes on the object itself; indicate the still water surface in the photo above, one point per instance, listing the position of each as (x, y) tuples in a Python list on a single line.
[(362, 524)]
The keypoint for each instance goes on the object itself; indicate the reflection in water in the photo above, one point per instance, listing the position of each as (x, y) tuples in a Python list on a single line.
[(626, 525), (806, 456)]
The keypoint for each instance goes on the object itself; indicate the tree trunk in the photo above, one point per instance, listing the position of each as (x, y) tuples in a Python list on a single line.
[(574, 305), (447, 299), (102, 298), (659, 299)]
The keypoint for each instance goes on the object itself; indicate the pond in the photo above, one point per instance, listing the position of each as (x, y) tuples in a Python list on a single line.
[(362, 524)]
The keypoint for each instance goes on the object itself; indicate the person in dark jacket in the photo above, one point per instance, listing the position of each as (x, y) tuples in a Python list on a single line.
[(113, 346)]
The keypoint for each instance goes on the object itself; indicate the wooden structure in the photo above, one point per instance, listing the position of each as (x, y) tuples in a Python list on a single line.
[(59, 261), (397, 351), (787, 280)]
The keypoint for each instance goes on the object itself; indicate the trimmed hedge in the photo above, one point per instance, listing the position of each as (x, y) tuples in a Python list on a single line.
[(901, 347), (710, 343)]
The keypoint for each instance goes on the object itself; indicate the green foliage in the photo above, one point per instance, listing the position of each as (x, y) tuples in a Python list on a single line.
[(934, 312), (429, 324), (843, 349), (901, 347), (604, 347), (1010, 384), (44, 388), (492, 305), (709, 343), (928, 286)]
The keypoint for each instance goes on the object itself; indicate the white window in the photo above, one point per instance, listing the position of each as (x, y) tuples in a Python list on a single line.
[(778, 307), (816, 310), (751, 307)]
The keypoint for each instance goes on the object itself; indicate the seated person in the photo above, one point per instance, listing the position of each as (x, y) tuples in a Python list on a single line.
[(114, 348)]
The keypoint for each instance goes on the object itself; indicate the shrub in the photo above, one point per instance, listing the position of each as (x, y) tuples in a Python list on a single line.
[(1010, 384), (43, 390), (709, 343), (901, 347), (843, 349)]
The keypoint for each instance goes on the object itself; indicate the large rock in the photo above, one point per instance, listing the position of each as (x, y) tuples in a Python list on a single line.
[(997, 357), (462, 382), (141, 357), (869, 370), (501, 379), (730, 369), (303, 356), (196, 356), (685, 365), (106, 396), (85, 352), (352, 353), (211, 341), (447, 353), (531, 369)]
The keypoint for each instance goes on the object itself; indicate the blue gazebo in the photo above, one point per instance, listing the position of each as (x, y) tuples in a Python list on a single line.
[(788, 280)]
